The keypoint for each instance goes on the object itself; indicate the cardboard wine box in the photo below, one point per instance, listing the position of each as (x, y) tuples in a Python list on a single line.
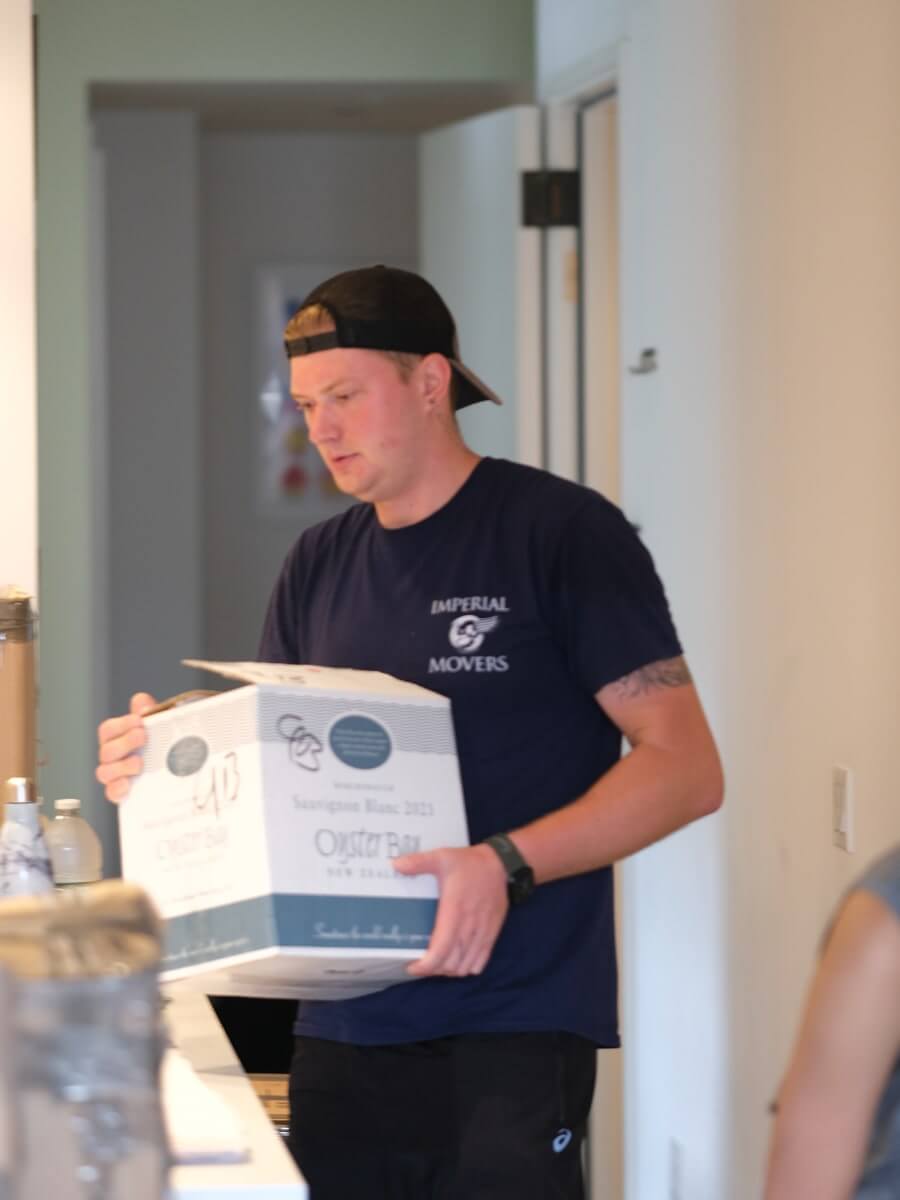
[(265, 822)]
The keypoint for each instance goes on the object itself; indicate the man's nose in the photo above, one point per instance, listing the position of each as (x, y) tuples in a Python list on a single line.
[(321, 425)]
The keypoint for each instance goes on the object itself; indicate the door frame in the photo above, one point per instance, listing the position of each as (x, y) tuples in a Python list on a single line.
[(565, 392)]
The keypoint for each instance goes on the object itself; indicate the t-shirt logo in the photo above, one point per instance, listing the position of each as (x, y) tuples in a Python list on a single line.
[(467, 632), (468, 629)]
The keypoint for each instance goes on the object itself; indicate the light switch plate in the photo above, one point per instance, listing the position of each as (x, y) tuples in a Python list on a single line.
[(842, 809)]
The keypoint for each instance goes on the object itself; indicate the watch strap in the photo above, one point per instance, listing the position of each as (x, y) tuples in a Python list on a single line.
[(519, 875)]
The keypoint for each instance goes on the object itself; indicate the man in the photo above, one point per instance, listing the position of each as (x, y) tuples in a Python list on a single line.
[(530, 602)]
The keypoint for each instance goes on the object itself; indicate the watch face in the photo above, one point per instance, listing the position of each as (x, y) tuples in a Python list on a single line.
[(519, 876), (520, 885)]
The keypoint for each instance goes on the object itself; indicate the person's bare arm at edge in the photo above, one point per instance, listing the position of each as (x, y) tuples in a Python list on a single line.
[(671, 777), (848, 1042), (121, 740)]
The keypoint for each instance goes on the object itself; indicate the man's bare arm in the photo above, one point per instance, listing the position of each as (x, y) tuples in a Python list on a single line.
[(668, 672), (671, 777)]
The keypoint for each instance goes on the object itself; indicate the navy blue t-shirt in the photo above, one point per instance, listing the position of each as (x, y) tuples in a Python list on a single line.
[(519, 599)]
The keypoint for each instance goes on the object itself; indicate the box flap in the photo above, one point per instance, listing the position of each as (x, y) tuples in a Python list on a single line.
[(339, 679)]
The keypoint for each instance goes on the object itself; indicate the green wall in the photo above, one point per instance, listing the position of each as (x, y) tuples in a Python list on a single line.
[(178, 41)]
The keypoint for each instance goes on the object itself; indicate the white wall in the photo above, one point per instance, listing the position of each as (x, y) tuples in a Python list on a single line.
[(574, 40), (340, 199), (18, 398), (153, 395), (761, 251), (145, 433), (815, 427)]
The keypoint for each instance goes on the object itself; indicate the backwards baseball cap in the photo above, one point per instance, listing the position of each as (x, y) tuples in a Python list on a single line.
[(384, 308)]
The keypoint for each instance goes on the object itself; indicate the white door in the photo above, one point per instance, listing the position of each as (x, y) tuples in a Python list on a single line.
[(599, 462), (473, 248), (601, 449)]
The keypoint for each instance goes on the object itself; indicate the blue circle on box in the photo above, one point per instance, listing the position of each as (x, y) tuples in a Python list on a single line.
[(360, 742), (187, 756)]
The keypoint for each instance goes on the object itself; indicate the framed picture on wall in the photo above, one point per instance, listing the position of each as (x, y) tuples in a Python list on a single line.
[(291, 479)]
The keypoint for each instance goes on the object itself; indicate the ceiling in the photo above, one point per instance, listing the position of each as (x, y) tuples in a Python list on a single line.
[(321, 107)]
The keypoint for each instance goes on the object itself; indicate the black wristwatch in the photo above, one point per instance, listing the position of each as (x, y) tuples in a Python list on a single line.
[(519, 876)]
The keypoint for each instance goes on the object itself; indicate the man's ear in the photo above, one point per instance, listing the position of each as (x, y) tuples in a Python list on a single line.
[(436, 374)]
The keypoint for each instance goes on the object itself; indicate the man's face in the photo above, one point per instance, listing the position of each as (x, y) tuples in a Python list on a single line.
[(366, 421)]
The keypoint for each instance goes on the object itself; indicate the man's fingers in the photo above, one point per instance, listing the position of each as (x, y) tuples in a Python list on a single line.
[(475, 959), (117, 777), (122, 768), (441, 961), (121, 739), (475, 948), (457, 960), (117, 791), (452, 950), (436, 958), (114, 727), (126, 743), (423, 863)]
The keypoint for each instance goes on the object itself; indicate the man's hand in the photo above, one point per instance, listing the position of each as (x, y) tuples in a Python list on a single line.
[(472, 907), (121, 740)]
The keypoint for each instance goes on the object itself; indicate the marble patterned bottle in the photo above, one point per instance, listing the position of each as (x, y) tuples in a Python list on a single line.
[(24, 859)]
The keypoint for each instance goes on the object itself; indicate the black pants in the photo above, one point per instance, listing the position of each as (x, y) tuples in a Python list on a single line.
[(458, 1118)]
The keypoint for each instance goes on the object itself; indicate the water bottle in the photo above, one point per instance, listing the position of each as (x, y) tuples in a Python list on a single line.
[(75, 850), (24, 859)]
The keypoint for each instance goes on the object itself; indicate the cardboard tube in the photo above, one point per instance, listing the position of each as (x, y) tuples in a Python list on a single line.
[(17, 685)]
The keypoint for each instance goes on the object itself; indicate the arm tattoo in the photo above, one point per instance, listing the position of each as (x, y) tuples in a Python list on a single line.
[(668, 673)]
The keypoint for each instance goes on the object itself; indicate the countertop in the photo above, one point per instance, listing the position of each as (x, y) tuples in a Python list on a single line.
[(270, 1173)]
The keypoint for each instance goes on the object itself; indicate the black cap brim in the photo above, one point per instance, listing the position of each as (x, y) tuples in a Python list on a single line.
[(469, 388)]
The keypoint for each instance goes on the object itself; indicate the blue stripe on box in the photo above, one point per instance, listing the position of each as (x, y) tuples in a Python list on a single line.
[(356, 922), (329, 922)]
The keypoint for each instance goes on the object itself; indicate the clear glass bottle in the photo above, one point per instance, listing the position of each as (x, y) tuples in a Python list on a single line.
[(24, 859), (75, 850)]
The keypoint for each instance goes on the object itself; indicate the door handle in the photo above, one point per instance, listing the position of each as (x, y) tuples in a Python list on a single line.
[(646, 364)]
